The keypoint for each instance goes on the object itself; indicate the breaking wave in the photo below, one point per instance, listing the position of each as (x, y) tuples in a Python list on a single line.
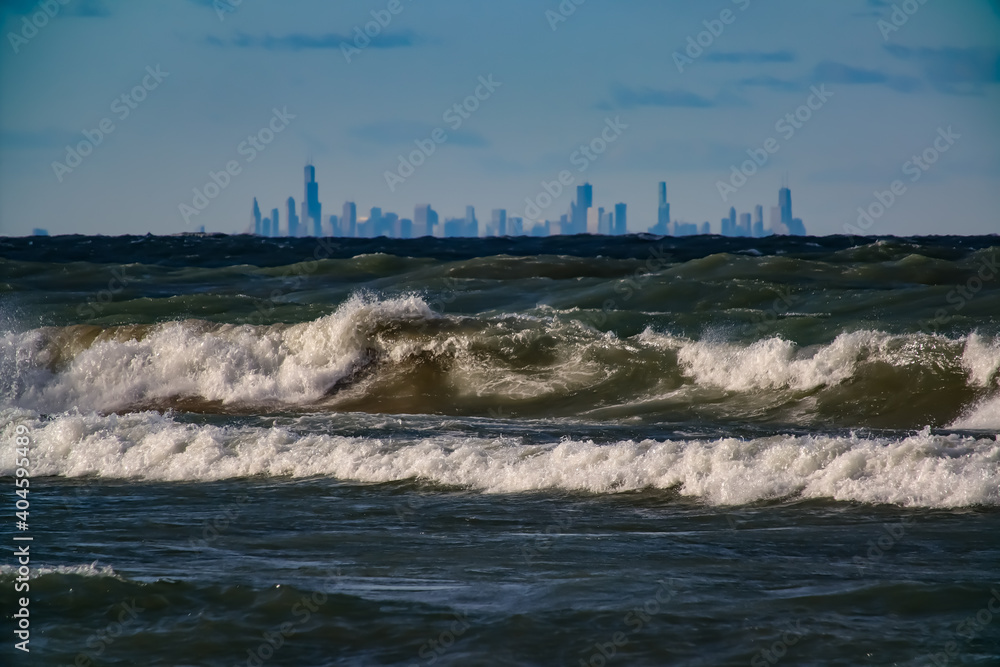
[(920, 470), (400, 356)]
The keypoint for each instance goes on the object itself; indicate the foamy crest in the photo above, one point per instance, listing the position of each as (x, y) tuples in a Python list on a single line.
[(981, 358), (922, 470), (771, 363), (225, 363), (983, 416)]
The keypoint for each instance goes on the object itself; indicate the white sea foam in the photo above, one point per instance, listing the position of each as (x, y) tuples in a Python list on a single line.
[(94, 569), (776, 363), (985, 416), (230, 364), (981, 358), (922, 470)]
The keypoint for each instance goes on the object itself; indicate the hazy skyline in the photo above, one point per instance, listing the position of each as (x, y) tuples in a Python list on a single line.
[(541, 84)]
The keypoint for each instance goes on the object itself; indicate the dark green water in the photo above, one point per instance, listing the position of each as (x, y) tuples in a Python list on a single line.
[(632, 451)]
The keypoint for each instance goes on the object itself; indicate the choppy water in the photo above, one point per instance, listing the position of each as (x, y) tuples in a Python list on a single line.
[(636, 450)]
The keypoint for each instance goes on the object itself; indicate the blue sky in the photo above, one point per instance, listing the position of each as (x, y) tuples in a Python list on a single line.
[(226, 66)]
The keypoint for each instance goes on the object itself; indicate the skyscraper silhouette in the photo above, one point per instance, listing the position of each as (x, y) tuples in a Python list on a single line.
[(425, 219), (785, 204), (621, 219), (312, 210), (349, 220), (471, 224), (663, 211), (498, 226), (293, 218), (584, 201), (745, 226), (258, 228)]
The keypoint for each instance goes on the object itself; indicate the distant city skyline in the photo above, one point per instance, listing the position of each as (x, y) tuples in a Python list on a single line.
[(583, 217), (114, 114)]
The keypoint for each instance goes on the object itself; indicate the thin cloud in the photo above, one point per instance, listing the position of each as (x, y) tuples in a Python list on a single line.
[(754, 57), (625, 97), (772, 83), (86, 8), (952, 70), (839, 73), (303, 42)]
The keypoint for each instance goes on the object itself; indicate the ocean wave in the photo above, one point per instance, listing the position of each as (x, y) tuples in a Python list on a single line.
[(923, 469), (400, 356), (89, 368)]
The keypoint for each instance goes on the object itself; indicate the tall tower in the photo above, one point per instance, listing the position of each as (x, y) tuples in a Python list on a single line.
[(471, 224), (425, 219), (758, 221), (375, 222), (258, 228), (729, 223), (349, 220), (593, 221), (745, 228), (584, 201), (312, 210), (293, 219), (275, 224), (785, 204), (621, 219), (499, 223), (663, 211)]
